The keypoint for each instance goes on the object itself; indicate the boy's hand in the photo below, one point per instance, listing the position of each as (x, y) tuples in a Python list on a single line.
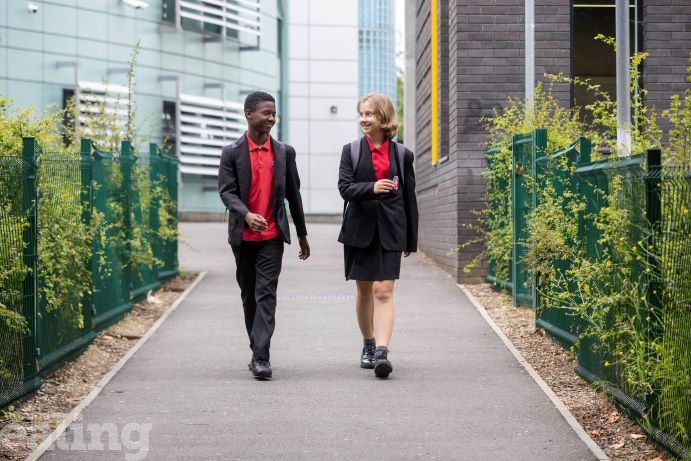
[(304, 248)]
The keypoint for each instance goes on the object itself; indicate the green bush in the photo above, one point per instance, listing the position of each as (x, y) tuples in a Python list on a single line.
[(641, 331)]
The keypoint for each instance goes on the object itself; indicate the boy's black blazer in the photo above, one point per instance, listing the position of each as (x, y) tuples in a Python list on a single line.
[(394, 214), (234, 178)]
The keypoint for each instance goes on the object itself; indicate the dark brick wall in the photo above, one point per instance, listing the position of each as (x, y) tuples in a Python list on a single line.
[(490, 68), (436, 185), (667, 37), (485, 67), (553, 43)]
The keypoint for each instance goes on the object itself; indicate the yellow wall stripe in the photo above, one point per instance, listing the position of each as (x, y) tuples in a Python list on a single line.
[(434, 103)]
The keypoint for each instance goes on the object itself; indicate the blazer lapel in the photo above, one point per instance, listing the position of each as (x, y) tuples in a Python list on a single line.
[(242, 160), (279, 168), (365, 165)]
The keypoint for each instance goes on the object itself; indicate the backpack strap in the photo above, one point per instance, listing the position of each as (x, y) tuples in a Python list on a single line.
[(355, 153), (400, 150)]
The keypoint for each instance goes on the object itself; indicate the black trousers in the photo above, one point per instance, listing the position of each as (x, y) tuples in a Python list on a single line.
[(258, 267)]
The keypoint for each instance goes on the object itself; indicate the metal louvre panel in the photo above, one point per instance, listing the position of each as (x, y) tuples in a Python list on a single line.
[(199, 161), (234, 15), (200, 150), (206, 126), (96, 97), (205, 102), (204, 171)]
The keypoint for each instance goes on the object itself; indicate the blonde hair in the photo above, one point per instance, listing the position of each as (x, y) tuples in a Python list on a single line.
[(384, 111)]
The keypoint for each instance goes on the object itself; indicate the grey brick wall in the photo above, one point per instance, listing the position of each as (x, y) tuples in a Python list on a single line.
[(436, 185), (667, 37), (485, 67), (553, 43)]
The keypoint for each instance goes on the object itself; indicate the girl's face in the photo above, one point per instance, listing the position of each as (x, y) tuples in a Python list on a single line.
[(369, 122)]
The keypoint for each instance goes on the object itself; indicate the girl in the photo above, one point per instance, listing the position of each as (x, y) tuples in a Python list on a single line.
[(380, 221)]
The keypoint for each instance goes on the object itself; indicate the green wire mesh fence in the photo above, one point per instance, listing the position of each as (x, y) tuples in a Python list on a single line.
[(82, 237)]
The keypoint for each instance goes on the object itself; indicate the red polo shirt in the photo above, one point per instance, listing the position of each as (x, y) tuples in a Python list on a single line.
[(261, 189), (380, 159)]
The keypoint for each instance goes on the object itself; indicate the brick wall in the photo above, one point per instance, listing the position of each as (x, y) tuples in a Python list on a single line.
[(553, 44), (485, 67), (667, 37), (436, 185), (485, 49)]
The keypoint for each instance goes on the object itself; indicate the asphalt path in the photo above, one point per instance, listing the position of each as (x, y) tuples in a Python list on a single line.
[(456, 392)]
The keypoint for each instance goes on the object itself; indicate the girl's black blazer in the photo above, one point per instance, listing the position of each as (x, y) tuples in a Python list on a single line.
[(394, 214)]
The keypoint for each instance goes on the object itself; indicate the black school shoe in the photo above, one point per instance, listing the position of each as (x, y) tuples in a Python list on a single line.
[(382, 366), (261, 369), (367, 359)]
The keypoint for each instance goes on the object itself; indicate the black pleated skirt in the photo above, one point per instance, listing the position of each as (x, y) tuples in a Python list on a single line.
[(373, 263)]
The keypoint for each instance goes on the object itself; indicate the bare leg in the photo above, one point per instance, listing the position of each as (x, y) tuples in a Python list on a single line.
[(364, 307), (384, 312)]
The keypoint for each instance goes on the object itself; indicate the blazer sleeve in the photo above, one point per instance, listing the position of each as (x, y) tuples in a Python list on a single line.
[(410, 202), (349, 189), (228, 184), (293, 192)]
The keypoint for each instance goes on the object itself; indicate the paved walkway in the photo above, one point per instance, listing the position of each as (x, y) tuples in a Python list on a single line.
[(456, 393)]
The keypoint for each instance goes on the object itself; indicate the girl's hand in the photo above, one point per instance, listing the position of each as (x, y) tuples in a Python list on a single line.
[(383, 186)]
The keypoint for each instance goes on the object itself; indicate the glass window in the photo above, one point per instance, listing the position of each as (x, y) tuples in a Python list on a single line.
[(593, 59)]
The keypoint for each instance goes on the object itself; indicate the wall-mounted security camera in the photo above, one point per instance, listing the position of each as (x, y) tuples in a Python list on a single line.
[(32, 7)]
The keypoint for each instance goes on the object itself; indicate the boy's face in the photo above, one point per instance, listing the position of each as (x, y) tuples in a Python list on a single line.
[(262, 118)]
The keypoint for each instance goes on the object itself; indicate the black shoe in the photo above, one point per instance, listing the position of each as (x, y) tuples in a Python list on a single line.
[(261, 369), (367, 359), (382, 366)]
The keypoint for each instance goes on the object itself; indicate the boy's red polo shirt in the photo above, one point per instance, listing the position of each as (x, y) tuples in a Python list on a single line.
[(260, 200)]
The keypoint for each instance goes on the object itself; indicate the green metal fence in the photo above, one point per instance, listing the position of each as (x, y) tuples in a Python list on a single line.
[(18, 373), (565, 328), (52, 208), (647, 296)]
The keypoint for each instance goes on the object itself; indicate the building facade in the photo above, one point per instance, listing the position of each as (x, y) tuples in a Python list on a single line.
[(197, 62), (339, 50), (469, 59), (377, 46), (323, 94)]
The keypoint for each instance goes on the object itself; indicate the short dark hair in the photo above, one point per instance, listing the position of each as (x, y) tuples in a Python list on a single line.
[(255, 98)]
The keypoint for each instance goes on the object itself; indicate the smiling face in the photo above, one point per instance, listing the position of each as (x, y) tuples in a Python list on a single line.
[(369, 122), (262, 118)]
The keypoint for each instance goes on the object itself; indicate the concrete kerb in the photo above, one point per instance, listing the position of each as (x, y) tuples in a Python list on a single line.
[(570, 419), (72, 416)]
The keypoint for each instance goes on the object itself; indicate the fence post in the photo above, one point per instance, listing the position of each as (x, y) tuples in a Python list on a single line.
[(539, 150), (30, 253), (154, 181), (126, 161), (653, 213), (584, 149), (172, 180), (87, 202)]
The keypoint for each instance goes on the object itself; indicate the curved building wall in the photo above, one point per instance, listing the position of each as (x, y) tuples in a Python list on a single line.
[(65, 41)]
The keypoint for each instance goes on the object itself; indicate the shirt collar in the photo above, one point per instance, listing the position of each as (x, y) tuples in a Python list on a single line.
[(384, 147), (252, 146)]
